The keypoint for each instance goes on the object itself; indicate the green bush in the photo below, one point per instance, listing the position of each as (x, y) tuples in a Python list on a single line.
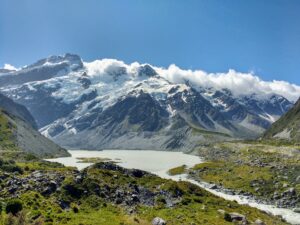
[(30, 157), (13, 206), (75, 209), (73, 190), (11, 168), (227, 217)]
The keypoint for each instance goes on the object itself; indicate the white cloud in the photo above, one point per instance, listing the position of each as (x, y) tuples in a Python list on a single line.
[(105, 70), (9, 67), (238, 83)]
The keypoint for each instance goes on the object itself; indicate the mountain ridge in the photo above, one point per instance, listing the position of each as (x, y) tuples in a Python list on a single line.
[(107, 104)]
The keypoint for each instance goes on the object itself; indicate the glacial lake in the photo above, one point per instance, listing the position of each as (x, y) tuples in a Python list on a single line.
[(159, 162), (156, 162)]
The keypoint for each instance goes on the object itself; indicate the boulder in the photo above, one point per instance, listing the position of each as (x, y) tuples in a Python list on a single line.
[(78, 179), (64, 204), (237, 217), (290, 192), (138, 173), (52, 186), (259, 222), (158, 221), (213, 186), (221, 211), (296, 210)]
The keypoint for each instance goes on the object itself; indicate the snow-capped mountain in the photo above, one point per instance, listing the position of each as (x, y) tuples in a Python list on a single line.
[(109, 104)]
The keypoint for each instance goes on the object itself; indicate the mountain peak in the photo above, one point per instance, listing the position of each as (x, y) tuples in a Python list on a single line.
[(43, 69), (146, 70), (71, 59)]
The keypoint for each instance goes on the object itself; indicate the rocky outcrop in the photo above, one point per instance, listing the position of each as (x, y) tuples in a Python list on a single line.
[(158, 221), (81, 185)]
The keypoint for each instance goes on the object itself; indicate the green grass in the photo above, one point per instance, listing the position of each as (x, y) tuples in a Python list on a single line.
[(47, 211), (236, 177), (273, 142), (93, 160), (7, 141), (177, 170), (43, 165), (252, 167), (289, 121)]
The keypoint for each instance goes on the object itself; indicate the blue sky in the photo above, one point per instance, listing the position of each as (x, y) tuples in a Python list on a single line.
[(259, 36)]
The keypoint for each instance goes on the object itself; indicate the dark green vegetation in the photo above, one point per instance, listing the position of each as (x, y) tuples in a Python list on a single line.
[(267, 172), (287, 127), (6, 132), (13, 206)]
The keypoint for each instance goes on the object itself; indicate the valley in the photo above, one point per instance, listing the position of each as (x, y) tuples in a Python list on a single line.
[(136, 112), (217, 157)]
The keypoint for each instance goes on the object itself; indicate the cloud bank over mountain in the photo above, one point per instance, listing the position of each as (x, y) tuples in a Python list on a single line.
[(239, 83)]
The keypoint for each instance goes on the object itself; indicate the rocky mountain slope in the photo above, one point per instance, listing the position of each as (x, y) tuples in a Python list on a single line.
[(109, 104), (287, 127), (17, 132), (17, 110)]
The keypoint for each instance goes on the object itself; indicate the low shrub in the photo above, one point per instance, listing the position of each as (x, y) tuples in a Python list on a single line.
[(13, 206)]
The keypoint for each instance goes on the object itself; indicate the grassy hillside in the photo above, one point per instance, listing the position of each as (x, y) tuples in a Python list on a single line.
[(287, 127), (7, 130), (18, 135), (17, 110)]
